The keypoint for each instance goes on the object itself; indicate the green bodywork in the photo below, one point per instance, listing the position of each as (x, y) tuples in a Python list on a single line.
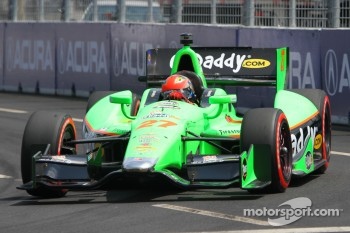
[(156, 142)]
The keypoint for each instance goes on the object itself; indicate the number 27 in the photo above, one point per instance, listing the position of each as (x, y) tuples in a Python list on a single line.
[(157, 123)]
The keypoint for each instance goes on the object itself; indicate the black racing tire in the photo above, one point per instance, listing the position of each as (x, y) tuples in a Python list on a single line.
[(95, 97), (321, 100), (41, 129), (269, 126), (98, 95)]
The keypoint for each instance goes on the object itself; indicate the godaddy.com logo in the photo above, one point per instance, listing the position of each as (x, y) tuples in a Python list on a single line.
[(298, 207)]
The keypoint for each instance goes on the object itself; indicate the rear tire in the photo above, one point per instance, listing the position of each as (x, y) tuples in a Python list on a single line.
[(98, 95), (95, 97), (269, 126), (46, 128)]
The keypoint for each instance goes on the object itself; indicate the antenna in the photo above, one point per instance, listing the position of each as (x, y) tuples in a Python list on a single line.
[(186, 39)]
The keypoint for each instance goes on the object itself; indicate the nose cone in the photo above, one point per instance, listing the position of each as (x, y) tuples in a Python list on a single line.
[(156, 139), (139, 164)]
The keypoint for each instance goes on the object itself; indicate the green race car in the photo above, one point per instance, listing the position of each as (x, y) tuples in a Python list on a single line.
[(208, 144)]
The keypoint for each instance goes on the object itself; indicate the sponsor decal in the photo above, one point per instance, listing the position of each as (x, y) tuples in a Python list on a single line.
[(301, 71), (256, 63), (156, 114), (127, 57), (244, 169), (144, 148), (29, 55), (229, 131), (233, 61), (337, 72), (82, 57), (156, 123), (308, 160), (167, 104), (299, 140), (209, 159), (56, 158), (318, 141), (147, 139), (283, 59), (230, 120)]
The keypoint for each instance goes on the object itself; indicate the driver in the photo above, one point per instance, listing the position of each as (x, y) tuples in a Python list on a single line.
[(179, 87)]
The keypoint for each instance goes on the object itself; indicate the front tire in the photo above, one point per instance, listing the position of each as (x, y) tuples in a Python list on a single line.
[(269, 126), (46, 128)]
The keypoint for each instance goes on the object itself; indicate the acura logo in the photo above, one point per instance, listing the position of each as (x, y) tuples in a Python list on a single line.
[(331, 73)]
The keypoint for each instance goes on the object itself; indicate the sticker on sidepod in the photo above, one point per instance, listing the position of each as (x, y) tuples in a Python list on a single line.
[(318, 141), (229, 119), (308, 160), (299, 139)]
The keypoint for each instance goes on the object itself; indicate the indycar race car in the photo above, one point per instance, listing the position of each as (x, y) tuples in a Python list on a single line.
[(203, 145)]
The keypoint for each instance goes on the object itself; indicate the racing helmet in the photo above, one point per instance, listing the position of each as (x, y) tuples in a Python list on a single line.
[(179, 87)]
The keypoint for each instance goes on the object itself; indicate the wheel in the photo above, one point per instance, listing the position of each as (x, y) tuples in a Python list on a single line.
[(320, 99), (46, 128), (98, 95), (269, 126), (95, 97)]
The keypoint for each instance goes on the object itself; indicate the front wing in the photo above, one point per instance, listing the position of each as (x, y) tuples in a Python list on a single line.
[(210, 171)]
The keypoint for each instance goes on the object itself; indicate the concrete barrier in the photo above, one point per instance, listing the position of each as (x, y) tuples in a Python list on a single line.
[(76, 58)]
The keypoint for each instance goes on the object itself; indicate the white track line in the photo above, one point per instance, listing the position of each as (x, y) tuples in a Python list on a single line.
[(12, 110), (340, 153), (213, 214), (5, 176), (290, 230)]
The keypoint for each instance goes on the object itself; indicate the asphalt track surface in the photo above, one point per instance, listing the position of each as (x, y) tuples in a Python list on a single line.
[(158, 209)]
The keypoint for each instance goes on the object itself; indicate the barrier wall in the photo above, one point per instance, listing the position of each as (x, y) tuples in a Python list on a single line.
[(76, 59)]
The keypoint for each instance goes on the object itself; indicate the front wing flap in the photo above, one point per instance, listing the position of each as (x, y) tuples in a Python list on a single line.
[(256, 167)]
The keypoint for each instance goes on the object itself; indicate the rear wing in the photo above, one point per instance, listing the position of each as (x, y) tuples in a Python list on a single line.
[(229, 66)]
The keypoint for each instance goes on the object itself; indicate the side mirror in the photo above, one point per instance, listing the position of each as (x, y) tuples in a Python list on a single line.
[(220, 100), (223, 99), (123, 98)]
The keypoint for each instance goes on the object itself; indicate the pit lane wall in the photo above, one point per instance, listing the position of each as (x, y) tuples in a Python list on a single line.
[(74, 59)]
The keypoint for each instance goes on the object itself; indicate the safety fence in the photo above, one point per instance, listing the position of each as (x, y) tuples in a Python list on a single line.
[(270, 13), (68, 59)]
